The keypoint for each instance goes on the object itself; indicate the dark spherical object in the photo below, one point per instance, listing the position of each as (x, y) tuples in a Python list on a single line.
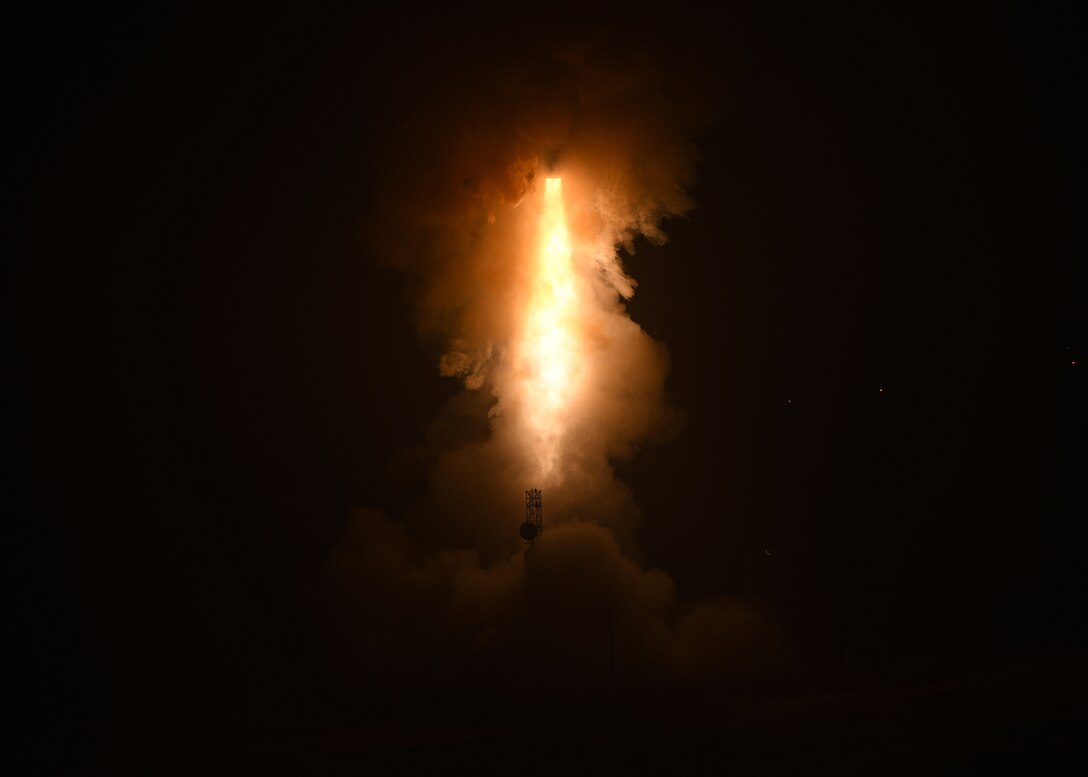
[(528, 531)]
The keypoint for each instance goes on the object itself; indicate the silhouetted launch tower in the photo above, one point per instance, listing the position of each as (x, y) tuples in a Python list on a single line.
[(534, 518)]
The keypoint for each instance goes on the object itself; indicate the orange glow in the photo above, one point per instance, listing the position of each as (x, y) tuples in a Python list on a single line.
[(549, 353)]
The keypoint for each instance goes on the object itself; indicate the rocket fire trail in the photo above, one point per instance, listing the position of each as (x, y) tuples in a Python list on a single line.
[(522, 277), (548, 354)]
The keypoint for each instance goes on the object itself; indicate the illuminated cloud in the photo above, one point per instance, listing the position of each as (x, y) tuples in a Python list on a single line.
[(508, 189)]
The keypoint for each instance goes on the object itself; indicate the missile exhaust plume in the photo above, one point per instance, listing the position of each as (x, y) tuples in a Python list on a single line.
[(547, 354), (521, 281)]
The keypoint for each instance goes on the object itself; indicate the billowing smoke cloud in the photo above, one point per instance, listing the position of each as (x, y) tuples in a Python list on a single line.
[(472, 139), (573, 609)]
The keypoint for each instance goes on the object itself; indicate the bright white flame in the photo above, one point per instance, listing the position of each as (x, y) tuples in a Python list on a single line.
[(549, 352)]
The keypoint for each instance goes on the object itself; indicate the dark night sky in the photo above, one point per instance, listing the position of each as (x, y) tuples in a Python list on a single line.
[(219, 373)]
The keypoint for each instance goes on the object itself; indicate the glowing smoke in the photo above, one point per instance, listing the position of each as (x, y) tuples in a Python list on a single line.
[(465, 213), (510, 193)]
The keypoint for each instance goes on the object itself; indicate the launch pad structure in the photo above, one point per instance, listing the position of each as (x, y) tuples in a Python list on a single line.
[(534, 518)]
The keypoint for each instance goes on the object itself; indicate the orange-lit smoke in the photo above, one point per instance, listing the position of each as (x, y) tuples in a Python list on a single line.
[(510, 204), (507, 192), (542, 329)]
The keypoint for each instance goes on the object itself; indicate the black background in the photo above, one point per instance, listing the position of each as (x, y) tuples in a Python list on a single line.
[(219, 373)]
